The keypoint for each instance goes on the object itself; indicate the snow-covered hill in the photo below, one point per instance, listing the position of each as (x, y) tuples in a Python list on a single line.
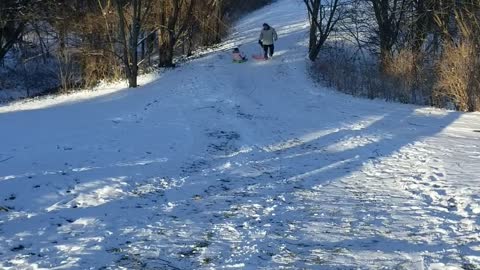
[(242, 166)]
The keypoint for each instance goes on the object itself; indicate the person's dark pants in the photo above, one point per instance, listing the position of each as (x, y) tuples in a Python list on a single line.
[(266, 49)]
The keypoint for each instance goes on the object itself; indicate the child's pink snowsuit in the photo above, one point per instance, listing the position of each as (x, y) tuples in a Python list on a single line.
[(238, 56)]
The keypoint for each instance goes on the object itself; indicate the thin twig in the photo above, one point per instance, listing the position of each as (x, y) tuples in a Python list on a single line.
[(3, 160), (206, 107)]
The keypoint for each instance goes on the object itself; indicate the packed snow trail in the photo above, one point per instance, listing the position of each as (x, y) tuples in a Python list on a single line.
[(218, 165)]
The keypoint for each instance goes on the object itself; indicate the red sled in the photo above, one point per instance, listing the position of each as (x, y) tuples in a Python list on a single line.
[(258, 57)]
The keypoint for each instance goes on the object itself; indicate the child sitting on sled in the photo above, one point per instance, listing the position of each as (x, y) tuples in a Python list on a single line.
[(238, 57)]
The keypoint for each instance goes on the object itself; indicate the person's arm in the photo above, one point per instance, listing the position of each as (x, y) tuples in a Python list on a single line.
[(275, 36), (261, 36)]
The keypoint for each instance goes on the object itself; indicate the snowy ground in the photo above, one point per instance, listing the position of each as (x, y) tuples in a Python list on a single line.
[(240, 166)]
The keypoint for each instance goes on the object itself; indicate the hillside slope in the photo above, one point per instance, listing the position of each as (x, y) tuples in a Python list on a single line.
[(218, 165)]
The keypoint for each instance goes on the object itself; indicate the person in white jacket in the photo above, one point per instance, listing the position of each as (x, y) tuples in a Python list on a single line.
[(268, 36)]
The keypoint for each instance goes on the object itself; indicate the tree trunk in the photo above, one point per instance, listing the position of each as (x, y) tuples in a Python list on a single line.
[(167, 39), (218, 22), (385, 56), (389, 15), (129, 42), (169, 36), (313, 26), (134, 36), (10, 33), (167, 52)]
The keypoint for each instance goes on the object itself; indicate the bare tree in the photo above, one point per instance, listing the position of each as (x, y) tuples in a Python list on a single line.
[(131, 18), (13, 19), (324, 15), (390, 15), (173, 24)]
